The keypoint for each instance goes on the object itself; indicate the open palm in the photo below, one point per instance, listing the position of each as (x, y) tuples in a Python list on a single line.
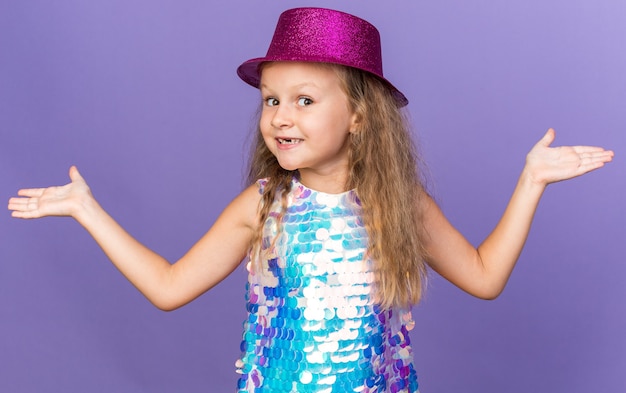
[(547, 164), (51, 201)]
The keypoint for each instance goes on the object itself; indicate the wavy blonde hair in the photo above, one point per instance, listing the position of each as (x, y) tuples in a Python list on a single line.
[(383, 169)]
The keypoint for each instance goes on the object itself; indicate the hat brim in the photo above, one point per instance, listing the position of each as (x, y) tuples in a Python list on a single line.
[(249, 72)]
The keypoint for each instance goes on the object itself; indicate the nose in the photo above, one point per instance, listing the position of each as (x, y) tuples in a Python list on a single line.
[(282, 117)]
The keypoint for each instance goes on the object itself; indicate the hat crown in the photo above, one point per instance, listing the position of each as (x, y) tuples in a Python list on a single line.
[(324, 35)]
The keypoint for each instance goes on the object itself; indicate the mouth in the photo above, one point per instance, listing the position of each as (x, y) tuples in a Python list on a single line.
[(286, 141)]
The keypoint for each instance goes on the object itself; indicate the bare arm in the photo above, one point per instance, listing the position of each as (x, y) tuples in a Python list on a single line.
[(484, 271), (167, 286)]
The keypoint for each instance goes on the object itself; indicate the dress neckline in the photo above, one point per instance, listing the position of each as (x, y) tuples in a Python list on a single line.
[(297, 183)]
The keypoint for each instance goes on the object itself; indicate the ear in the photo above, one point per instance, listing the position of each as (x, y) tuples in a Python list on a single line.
[(355, 122)]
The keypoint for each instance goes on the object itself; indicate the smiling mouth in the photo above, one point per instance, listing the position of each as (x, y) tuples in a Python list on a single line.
[(288, 141)]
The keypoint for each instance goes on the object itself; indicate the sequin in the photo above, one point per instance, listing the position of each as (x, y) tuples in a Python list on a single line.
[(312, 325)]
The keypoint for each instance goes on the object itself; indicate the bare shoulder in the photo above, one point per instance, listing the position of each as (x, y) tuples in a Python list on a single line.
[(428, 208), (244, 208), (228, 239), (439, 231)]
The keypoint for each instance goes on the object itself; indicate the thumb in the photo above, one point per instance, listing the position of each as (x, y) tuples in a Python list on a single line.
[(74, 174), (548, 138)]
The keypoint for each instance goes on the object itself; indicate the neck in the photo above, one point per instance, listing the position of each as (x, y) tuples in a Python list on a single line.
[(331, 183)]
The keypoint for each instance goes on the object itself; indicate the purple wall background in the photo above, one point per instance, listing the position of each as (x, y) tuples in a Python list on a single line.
[(143, 97)]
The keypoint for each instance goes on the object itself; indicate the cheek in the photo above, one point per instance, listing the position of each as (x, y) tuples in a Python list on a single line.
[(264, 125), (267, 136)]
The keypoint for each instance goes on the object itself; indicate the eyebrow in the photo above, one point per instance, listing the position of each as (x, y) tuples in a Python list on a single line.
[(304, 84)]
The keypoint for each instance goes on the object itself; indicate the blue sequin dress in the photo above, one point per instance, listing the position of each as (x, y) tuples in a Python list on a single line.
[(312, 325)]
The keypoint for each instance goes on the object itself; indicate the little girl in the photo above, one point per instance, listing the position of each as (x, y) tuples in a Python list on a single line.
[(336, 224)]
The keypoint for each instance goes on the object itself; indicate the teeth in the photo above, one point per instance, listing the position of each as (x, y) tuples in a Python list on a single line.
[(288, 141)]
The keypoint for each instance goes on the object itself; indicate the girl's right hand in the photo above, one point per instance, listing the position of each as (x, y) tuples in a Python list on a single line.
[(64, 200), (167, 286)]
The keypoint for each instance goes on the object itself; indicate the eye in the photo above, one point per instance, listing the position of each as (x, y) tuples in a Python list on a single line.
[(271, 101), (304, 101)]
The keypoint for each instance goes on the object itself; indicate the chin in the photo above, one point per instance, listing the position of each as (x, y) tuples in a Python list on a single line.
[(289, 167)]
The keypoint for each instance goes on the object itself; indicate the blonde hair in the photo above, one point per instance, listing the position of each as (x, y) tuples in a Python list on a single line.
[(384, 172)]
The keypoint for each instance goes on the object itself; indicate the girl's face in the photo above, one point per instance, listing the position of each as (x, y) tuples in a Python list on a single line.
[(306, 119)]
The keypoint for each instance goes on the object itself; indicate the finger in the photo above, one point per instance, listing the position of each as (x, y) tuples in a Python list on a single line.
[(593, 156), (75, 174), (24, 209), (31, 192), (25, 215), (590, 166), (595, 159), (16, 202), (591, 149), (547, 138), (19, 201)]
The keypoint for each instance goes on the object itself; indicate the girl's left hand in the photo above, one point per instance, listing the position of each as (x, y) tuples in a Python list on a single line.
[(545, 164)]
